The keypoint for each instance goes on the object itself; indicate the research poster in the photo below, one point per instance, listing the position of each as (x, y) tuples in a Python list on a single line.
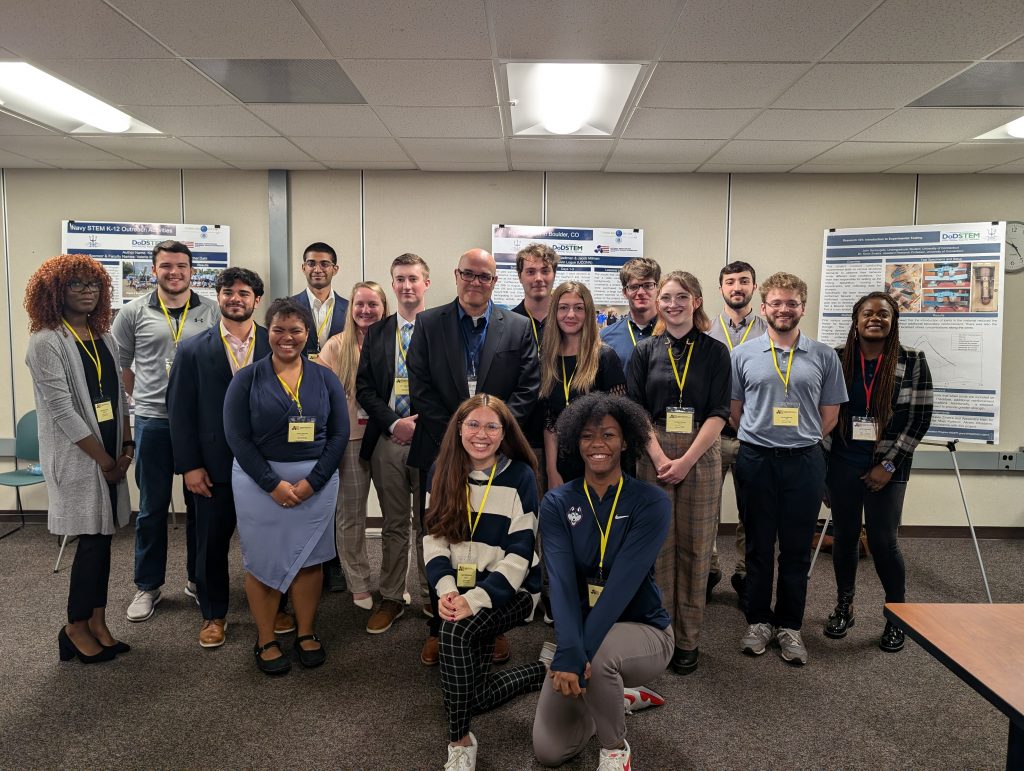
[(592, 256), (947, 281), (125, 249)]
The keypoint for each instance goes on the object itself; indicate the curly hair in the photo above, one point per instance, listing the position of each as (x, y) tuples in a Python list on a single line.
[(286, 306), (591, 408), (44, 293)]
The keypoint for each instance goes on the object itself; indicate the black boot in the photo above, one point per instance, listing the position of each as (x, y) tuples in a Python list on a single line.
[(841, 619), (892, 638)]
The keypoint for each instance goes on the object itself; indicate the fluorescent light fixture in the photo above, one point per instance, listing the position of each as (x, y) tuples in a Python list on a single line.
[(568, 98), (1012, 130), (1016, 128), (34, 94)]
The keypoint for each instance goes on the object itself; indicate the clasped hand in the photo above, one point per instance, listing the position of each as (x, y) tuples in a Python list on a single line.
[(454, 607), (672, 472), (289, 495), (568, 683)]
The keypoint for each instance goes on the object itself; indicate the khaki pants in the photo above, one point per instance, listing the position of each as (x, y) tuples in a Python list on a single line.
[(397, 486), (730, 446)]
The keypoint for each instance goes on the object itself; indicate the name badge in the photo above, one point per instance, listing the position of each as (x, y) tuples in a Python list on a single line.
[(679, 420), (785, 415), (472, 386), (362, 416), (167, 365), (594, 589), (466, 575), (864, 429), (313, 356), (104, 409), (401, 386), (301, 428)]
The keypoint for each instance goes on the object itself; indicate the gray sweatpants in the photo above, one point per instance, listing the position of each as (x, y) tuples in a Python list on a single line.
[(631, 655)]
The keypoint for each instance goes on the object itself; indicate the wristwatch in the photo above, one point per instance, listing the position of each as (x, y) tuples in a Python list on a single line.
[(889, 466)]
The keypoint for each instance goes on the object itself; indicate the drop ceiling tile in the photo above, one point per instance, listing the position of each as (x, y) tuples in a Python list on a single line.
[(557, 166), (745, 168), (972, 153), (920, 167), (336, 120), (551, 150), (209, 163), (5, 54), (684, 151), (252, 149), (936, 124), (471, 122), (444, 151), (658, 123), (207, 121), (264, 29), (12, 125), (932, 30), (864, 86), (116, 163), (14, 161), (1014, 167), (581, 29), (89, 29), (719, 84), (423, 83), (401, 29), (53, 149), (348, 150), (139, 81), (1012, 53), (762, 151), (475, 166), (885, 153), (287, 165), (747, 30), (143, 149), (810, 124), (840, 168), (650, 168), (397, 166)]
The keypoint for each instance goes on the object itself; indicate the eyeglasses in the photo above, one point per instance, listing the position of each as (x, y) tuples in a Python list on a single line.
[(790, 304), (469, 276), (79, 286), (647, 286), (322, 264), (473, 426)]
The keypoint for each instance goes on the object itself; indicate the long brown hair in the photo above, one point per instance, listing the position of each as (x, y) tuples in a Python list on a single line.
[(689, 282), (347, 361), (590, 343), (885, 375), (446, 515), (44, 294)]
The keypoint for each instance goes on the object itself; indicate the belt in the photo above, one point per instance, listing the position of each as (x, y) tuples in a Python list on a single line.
[(660, 423), (780, 452)]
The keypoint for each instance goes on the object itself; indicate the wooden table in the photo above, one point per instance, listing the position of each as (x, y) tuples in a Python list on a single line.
[(982, 645)]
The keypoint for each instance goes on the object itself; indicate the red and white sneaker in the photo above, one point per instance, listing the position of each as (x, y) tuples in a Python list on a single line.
[(636, 699), (615, 760)]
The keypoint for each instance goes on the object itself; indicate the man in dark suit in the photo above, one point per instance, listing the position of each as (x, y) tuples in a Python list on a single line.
[(329, 309), (382, 390), (466, 347), (202, 371)]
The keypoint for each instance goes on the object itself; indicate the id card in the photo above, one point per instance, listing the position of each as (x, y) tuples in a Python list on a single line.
[(466, 575), (301, 428), (594, 589), (864, 429), (167, 364), (104, 409), (679, 420), (785, 415), (313, 356), (362, 416), (401, 386), (472, 386)]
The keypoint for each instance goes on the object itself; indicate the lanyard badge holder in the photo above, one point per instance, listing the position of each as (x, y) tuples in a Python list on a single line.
[(785, 414), (680, 420), (864, 428), (301, 428), (175, 331), (595, 584), (465, 572), (102, 406)]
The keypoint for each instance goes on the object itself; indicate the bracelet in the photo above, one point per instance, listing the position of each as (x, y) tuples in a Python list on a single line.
[(129, 443)]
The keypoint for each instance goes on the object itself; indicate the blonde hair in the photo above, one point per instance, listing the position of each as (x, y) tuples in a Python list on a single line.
[(689, 282), (783, 280), (590, 343), (347, 361)]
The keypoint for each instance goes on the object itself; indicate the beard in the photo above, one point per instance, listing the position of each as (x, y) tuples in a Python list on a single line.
[(737, 304), (237, 314), (783, 325)]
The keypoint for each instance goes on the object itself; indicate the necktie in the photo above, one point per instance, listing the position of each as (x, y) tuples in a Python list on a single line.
[(403, 405)]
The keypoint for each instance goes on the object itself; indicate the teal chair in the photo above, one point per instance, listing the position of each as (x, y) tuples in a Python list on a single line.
[(26, 448)]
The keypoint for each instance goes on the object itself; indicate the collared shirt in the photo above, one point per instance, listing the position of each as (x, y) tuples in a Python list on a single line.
[(618, 337), (474, 341), (240, 348), (816, 380), (750, 326), (651, 381), (322, 311)]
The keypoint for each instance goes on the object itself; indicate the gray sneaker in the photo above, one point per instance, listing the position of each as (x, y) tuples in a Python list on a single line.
[(792, 646), (756, 639)]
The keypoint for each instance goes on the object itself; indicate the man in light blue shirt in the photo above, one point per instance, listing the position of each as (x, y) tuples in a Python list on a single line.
[(639, 277)]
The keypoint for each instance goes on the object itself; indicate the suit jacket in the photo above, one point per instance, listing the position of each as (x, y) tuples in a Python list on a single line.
[(337, 319), (195, 403), (437, 372), (374, 381)]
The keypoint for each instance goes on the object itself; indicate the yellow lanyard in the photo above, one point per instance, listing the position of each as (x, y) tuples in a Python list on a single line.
[(402, 352), (323, 324), (94, 356), (567, 382), (248, 354), (789, 367), (675, 370), (293, 395), (469, 509), (629, 326), (607, 530), (728, 339), (536, 337), (175, 333)]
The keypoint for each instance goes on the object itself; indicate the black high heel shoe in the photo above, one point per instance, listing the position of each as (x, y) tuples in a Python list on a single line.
[(117, 647), (68, 650)]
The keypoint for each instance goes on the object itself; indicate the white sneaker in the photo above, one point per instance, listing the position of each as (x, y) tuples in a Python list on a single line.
[(407, 598), (615, 760), (636, 699), (141, 608), (462, 758), (192, 590)]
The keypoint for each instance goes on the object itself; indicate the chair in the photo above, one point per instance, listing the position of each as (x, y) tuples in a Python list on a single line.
[(26, 447)]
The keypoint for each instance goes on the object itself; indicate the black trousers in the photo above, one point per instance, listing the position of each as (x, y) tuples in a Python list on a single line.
[(781, 496), (90, 573), (882, 512), (215, 524)]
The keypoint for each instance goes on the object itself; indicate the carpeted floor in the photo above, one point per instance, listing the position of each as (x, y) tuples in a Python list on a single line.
[(171, 704)]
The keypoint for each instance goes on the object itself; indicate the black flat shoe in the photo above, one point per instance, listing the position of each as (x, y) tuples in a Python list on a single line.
[(68, 650), (684, 662), (841, 620), (313, 658), (279, 666), (117, 647), (893, 638), (334, 578), (713, 579)]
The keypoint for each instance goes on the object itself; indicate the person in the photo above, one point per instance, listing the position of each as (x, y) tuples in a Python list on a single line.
[(382, 383), (341, 355), (148, 331), (575, 362), (328, 308), (786, 392), (85, 444), (870, 452), (203, 370), (466, 347), (610, 622), (639, 278), (681, 377), (736, 324), (286, 421), (481, 524)]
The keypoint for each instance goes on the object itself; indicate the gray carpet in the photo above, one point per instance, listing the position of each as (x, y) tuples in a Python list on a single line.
[(169, 703)]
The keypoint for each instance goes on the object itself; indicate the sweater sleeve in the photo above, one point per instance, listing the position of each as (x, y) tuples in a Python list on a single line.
[(238, 431), (44, 361), (571, 655)]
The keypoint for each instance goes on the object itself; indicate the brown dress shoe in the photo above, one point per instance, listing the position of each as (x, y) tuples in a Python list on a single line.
[(384, 616), (284, 623), (502, 649), (212, 633), (429, 655)]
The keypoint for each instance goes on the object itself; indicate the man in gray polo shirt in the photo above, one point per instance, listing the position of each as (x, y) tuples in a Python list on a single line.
[(786, 392), (148, 331)]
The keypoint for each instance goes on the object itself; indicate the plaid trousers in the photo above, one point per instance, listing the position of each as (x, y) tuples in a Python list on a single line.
[(684, 561), (350, 517), (465, 649)]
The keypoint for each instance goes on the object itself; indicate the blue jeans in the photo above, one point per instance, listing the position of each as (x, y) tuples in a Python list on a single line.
[(154, 473)]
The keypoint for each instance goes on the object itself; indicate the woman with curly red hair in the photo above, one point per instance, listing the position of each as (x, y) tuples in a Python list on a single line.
[(85, 444)]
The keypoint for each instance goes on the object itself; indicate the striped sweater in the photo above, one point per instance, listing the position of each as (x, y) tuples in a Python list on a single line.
[(503, 547)]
